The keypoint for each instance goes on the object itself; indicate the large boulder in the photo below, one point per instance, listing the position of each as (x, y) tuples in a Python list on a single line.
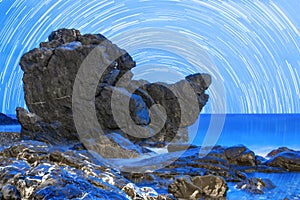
[(240, 155), (51, 76), (182, 102), (50, 72), (288, 160)]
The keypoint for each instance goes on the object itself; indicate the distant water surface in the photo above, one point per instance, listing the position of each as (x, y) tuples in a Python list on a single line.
[(260, 132), (10, 128), (287, 186)]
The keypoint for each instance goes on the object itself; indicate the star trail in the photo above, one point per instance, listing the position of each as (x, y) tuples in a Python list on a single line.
[(250, 47)]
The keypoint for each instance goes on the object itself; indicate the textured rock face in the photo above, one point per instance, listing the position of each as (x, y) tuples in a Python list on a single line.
[(240, 155), (35, 170), (199, 187), (51, 71), (289, 160)]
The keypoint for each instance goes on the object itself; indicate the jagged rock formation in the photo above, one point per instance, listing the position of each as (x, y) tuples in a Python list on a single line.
[(50, 73), (36, 170)]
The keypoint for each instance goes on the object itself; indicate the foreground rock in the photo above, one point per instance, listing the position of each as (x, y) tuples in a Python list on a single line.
[(199, 187), (35, 170), (50, 74), (7, 138), (5, 120)]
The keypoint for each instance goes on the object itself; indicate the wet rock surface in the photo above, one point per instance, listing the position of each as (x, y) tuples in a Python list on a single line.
[(37, 170), (256, 185), (199, 187), (51, 71), (217, 163), (288, 160)]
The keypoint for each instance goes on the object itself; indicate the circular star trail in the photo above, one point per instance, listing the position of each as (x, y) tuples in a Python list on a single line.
[(254, 45)]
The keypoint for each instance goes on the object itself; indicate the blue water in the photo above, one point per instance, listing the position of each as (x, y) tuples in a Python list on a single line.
[(260, 132), (287, 186), (10, 128)]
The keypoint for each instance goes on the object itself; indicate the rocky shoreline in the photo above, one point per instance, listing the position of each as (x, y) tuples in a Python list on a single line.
[(36, 170)]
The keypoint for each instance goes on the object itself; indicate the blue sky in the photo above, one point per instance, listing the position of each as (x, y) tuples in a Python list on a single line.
[(250, 47)]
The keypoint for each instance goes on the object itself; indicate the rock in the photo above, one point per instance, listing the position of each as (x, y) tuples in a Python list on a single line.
[(259, 160), (145, 193), (255, 185), (199, 187), (240, 155), (104, 110), (5, 120), (279, 150), (179, 147), (183, 164), (39, 170), (7, 138), (35, 128), (36, 170), (127, 106), (182, 102), (288, 160), (50, 72), (10, 192)]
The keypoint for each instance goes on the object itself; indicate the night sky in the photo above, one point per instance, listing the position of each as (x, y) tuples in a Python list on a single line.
[(250, 47)]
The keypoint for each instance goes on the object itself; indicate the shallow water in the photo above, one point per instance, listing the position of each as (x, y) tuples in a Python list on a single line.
[(287, 186), (10, 128)]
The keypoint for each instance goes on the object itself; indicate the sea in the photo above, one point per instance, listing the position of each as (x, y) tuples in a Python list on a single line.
[(261, 133)]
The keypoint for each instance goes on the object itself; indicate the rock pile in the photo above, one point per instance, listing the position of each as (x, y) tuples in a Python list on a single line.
[(35, 170)]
